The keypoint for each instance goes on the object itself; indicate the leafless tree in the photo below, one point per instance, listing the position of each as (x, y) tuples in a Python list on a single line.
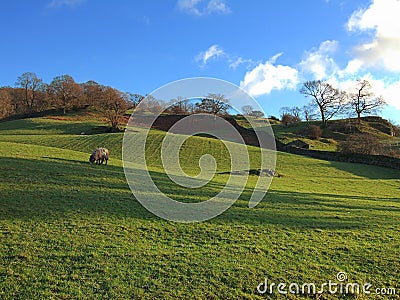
[(326, 98), (134, 99), (290, 115), (30, 84), (364, 101), (308, 112), (256, 113), (215, 104), (247, 109)]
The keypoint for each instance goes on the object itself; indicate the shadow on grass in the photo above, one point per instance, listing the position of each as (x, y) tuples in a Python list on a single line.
[(367, 171), (25, 126), (72, 161), (316, 210), (57, 187)]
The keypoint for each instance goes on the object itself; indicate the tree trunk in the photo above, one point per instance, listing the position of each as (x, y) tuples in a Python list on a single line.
[(322, 115)]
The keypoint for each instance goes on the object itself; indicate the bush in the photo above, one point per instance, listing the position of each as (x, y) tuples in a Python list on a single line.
[(361, 144), (289, 119), (313, 132)]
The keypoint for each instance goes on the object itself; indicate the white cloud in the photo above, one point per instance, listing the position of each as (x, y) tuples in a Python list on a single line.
[(381, 20), (267, 76), (201, 7), (189, 6), (352, 67), (390, 91), (218, 6), (236, 61), (213, 52), (391, 94), (319, 62), (59, 3)]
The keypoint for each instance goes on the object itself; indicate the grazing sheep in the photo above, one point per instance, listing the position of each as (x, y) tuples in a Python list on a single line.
[(99, 156)]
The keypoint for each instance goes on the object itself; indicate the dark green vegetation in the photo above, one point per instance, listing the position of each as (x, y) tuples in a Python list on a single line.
[(73, 230)]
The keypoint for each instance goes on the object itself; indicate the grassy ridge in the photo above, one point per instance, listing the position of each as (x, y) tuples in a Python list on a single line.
[(74, 230)]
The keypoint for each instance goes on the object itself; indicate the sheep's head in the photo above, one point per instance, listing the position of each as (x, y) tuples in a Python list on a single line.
[(91, 159)]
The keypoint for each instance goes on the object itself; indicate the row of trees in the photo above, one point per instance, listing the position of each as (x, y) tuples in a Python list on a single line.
[(328, 102), (216, 104), (31, 95)]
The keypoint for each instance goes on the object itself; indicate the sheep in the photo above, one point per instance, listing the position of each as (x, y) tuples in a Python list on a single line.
[(99, 155)]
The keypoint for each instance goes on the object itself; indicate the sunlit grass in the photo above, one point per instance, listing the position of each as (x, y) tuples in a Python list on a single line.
[(74, 230)]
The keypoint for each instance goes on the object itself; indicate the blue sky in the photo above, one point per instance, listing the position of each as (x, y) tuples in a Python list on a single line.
[(267, 47)]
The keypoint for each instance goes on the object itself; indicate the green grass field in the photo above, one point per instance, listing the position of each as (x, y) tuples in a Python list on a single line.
[(71, 230)]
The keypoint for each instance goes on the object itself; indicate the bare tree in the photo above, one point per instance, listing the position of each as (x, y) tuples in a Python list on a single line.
[(364, 101), (152, 105), (290, 115), (64, 91), (134, 99), (287, 119), (215, 104), (30, 84), (179, 105), (308, 112), (328, 100), (296, 112), (247, 109), (256, 113), (285, 110)]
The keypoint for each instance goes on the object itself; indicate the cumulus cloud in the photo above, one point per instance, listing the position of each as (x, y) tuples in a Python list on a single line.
[(268, 76), (318, 62), (390, 91), (201, 7), (60, 3), (213, 52), (380, 20)]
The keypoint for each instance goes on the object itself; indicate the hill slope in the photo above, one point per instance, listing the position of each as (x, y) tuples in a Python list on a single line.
[(71, 230), (338, 130)]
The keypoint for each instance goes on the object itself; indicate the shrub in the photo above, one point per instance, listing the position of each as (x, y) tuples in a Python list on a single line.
[(289, 119), (314, 132), (361, 144)]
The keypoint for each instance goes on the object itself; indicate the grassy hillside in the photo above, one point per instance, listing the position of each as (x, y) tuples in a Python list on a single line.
[(336, 131), (74, 230)]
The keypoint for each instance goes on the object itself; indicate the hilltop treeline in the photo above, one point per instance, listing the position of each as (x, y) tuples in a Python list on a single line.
[(31, 95)]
